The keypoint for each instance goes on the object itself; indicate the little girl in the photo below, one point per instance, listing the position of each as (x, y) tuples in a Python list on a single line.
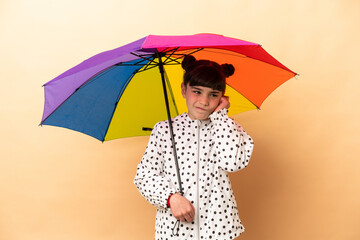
[(209, 145)]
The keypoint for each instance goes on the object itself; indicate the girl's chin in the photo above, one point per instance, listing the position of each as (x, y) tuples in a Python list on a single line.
[(199, 117)]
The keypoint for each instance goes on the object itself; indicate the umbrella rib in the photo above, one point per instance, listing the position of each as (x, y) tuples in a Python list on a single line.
[(171, 92), (169, 49), (143, 56), (172, 61), (135, 64), (190, 51), (169, 56), (152, 63), (149, 58), (181, 55), (117, 101), (146, 68)]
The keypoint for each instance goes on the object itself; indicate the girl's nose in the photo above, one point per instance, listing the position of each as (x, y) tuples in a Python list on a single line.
[(204, 100)]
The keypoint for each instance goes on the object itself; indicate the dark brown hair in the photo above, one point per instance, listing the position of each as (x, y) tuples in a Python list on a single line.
[(206, 73)]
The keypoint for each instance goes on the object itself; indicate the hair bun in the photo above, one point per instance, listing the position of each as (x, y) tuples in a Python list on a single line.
[(187, 62), (228, 69)]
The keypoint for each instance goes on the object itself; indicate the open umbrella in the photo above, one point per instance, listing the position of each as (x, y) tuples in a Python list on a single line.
[(121, 92)]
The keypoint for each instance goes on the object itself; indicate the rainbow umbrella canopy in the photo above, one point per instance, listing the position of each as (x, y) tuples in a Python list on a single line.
[(120, 93)]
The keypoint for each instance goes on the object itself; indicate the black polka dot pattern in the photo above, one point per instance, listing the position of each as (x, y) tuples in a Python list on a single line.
[(207, 151)]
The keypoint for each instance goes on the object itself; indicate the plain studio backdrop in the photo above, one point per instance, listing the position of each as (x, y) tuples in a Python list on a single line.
[(302, 181)]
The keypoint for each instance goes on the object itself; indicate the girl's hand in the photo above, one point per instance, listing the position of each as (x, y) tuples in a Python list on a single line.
[(181, 208), (224, 103)]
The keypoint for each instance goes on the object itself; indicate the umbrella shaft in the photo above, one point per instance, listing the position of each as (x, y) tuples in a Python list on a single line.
[(161, 68)]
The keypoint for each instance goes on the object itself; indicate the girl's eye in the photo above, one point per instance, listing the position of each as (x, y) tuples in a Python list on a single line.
[(196, 92), (214, 95)]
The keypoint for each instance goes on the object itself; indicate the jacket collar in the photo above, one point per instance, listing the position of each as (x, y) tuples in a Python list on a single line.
[(194, 123)]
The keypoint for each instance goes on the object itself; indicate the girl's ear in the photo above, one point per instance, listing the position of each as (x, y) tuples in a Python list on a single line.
[(183, 90)]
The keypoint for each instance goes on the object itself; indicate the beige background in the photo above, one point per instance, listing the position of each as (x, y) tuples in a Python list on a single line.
[(303, 180)]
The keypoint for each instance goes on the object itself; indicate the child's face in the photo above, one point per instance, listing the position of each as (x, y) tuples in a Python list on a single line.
[(201, 101)]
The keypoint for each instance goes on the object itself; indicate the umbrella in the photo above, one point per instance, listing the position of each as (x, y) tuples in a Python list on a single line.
[(120, 93)]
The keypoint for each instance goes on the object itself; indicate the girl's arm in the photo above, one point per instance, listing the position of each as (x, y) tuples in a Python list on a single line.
[(149, 179), (233, 146)]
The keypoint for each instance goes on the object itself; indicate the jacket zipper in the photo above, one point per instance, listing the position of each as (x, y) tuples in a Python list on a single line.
[(198, 177)]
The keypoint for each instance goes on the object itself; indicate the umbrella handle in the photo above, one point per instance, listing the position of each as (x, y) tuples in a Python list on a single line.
[(161, 68)]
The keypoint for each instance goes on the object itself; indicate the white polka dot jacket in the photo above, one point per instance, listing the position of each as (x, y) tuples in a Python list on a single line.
[(207, 151)]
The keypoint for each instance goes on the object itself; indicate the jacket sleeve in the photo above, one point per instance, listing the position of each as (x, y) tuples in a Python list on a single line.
[(233, 146), (149, 179)]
